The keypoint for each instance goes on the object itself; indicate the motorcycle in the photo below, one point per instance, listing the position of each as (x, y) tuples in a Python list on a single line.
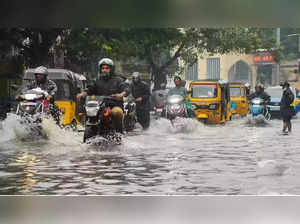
[(158, 111), (33, 108), (258, 109), (129, 114), (99, 117), (159, 98)]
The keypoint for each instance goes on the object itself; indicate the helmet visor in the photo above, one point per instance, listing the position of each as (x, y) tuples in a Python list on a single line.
[(38, 75)]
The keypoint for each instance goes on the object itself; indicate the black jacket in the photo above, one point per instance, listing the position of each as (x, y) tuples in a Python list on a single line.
[(287, 98), (286, 110), (263, 95), (114, 85), (141, 89)]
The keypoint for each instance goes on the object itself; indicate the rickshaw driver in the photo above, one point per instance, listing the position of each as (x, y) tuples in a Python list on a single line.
[(109, 83)]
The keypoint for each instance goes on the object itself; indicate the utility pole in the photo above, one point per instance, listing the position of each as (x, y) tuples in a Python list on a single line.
[(277, 75)]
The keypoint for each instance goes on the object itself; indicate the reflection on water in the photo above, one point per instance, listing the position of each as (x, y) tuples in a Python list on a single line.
[(195, 159)]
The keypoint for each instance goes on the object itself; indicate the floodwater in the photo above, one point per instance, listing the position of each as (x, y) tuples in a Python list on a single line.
[(232, 159)]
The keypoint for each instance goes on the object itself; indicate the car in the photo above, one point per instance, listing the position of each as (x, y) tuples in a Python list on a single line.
[(276, 93)]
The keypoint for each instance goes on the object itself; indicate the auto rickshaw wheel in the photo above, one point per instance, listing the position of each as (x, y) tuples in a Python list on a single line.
[(203, 120)]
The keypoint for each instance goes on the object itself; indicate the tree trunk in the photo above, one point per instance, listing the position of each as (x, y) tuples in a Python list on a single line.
[(159, 78)]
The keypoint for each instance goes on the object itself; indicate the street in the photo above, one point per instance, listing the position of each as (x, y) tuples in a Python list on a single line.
[(231, 159)]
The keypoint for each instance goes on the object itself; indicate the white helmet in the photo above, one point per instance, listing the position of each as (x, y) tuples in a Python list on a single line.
[(41, 74), (136, 77), (41, 70), (110, 63), (106, 61)]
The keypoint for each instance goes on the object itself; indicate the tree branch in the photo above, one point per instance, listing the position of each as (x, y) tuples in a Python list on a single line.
[(172, 59)]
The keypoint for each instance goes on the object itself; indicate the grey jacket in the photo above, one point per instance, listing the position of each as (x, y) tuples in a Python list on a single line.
[(49, 86)]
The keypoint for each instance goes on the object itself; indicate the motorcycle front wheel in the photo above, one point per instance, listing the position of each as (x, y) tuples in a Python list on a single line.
[(89, 132)]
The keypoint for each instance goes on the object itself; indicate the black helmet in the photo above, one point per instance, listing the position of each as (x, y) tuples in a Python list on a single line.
[(260, 86), (41, 74), (285, 84)]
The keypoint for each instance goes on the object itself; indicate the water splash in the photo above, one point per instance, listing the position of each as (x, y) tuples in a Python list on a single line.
[(258, 121)]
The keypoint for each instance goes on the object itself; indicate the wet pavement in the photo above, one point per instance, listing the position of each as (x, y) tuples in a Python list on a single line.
[(237, 158)]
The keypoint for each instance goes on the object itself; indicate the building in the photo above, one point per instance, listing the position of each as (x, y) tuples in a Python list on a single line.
[(234, 67)]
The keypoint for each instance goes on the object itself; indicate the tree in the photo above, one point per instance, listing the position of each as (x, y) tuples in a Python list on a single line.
[(85, 46), (33, 43), (161, 47)]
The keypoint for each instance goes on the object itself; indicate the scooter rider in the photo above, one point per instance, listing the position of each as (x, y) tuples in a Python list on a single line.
[(109, 83), (42, 81), (180, 89), (260, 93), (141, 92)]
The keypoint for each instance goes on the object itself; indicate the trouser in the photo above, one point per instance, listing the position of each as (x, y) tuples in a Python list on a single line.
[(55, 112), (117, 118), (143, 117)]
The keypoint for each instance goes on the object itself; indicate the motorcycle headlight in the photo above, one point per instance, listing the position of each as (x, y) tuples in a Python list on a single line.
[(92, 111), (175, 107)]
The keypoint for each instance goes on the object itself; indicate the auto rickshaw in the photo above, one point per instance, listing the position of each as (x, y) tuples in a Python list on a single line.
[(65, 97), (238, 97), (210, 100)]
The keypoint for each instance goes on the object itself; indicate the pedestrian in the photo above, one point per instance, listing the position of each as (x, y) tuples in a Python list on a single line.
[(286, 110), (141, 92)]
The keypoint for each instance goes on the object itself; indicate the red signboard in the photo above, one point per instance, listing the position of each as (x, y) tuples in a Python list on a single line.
[(263, 59)]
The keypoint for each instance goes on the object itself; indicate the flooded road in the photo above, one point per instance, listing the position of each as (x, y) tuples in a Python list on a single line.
[(232, 159)]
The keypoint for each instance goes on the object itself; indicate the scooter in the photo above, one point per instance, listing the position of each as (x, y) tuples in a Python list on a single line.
[(33, 108), (259, 109)]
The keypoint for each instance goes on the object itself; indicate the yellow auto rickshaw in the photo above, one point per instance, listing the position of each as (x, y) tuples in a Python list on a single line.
[(238, 97), (210, 100), (65, 97)]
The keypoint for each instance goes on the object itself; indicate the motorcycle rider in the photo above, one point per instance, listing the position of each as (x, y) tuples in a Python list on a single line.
[(141, 92), (108, 83), (260, 93), (42, 81)]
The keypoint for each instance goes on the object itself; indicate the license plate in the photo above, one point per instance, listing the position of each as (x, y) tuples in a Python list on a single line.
[(275, 108), (159, 110)]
